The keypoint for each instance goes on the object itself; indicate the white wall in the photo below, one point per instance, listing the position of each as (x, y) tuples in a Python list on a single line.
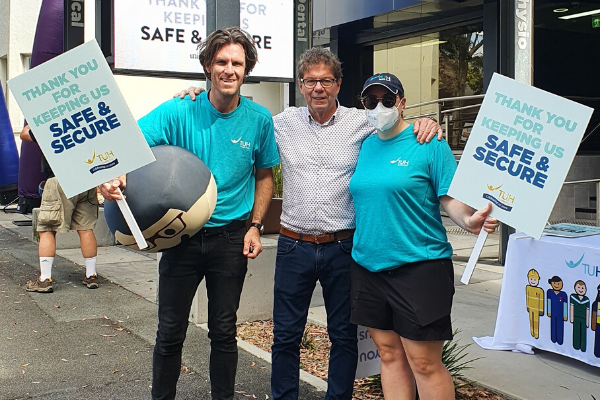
[(21, 20), (4, 18)]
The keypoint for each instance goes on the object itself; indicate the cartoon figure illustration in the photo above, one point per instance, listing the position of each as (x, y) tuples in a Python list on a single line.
[(535, 302), (557, 309), (580, 314), (596, 323)]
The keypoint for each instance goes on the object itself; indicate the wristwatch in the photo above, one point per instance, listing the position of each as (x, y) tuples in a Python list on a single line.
[(260, 227)]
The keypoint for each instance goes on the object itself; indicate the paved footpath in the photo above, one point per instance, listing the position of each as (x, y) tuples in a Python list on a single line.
[(78, 343), (97, 344)]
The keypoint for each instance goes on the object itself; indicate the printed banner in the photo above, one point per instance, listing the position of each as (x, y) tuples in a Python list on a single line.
[(550, 296), (80, 119), (163, 35), (519, 152)]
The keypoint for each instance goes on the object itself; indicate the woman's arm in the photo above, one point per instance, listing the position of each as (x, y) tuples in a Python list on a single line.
[(467, 218)]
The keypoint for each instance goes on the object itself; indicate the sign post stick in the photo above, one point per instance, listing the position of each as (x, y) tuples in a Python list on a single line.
[(131, 222), (466, 276)]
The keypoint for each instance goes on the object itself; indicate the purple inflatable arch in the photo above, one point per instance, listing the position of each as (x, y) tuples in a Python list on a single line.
[(9, 157), (47, 44)]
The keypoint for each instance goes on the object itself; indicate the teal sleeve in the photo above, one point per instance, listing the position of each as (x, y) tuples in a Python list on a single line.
[(158, 125), (549, 303), (267, 155), (565, 309), (442, 166)]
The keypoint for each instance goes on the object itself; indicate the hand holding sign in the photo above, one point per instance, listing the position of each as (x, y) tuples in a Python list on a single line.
[(519, 152), (81, 121)]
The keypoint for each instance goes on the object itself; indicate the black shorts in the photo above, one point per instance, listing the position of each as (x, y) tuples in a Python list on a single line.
[(413, 300)]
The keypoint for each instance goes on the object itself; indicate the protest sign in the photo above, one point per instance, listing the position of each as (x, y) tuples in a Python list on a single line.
[(80, 119), (369, 361), (519, 152)]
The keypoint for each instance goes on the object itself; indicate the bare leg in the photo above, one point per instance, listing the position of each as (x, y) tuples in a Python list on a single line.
[(397, 379), (47, 247), (89, 247), (433, 379)]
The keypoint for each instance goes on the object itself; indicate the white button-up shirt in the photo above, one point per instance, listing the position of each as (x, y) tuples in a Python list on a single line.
[(318, 161)]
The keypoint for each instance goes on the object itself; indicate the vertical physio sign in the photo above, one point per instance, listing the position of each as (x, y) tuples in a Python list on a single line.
[(80, 119), (519, 152)]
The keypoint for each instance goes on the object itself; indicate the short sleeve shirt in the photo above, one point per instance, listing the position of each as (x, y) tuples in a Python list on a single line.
[(396, 189), (230, 144)]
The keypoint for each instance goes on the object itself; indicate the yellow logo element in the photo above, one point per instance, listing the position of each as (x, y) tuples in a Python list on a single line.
[(91, 160), (491, 188)]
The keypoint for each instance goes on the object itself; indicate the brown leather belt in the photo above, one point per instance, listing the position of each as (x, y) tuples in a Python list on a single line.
[(320, 239)]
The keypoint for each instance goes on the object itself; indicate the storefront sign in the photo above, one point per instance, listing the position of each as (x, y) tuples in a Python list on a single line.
[(80, 119), (523, 41), (519, 152), (163, 35)]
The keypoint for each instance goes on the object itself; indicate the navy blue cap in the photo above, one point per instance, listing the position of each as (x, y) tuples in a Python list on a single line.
[(389, 81)]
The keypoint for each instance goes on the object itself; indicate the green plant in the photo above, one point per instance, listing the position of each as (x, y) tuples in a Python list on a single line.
[(277, 182), (307, 342), (453, 357)]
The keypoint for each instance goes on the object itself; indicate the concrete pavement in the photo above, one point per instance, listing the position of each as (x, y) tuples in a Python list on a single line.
[(127, 295), (78, 343)]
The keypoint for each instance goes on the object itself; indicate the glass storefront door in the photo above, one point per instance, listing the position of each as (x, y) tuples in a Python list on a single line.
[(445, 64)]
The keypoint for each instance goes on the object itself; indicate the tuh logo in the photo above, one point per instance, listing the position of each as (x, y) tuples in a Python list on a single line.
[(503, 199)]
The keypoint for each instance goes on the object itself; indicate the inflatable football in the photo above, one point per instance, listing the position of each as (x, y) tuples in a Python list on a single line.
[(171, 199)]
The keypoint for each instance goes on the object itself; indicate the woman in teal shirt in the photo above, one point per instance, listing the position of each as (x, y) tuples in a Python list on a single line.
[(402, 275)]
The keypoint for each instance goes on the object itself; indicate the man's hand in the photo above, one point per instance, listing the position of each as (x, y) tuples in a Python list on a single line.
[(109, 190), (192, 91), (426, 129), (252, 245), (24, 135)]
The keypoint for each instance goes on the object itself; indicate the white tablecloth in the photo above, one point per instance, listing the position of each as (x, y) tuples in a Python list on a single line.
[(570, 259)]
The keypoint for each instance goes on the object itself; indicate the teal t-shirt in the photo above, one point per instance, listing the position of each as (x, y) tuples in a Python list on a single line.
[(396, 189), (231, 145)]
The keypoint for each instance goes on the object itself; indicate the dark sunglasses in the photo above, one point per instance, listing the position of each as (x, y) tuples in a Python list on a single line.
[(371, 101)]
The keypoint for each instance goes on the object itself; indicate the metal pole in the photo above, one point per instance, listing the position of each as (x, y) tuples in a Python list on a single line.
[(597, 204), (221, 14)]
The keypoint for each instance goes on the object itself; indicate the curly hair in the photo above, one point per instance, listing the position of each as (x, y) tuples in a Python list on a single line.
[(209, 48), (319, 55)]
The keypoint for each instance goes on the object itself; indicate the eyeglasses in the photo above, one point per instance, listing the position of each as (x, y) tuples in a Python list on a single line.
[(171, 230), (371, 101), (311, 83)]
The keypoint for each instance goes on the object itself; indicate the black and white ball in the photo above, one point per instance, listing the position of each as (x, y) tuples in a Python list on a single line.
[(171, 200)]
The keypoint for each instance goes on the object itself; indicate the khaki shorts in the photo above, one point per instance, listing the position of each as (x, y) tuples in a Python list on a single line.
[(59, 214)]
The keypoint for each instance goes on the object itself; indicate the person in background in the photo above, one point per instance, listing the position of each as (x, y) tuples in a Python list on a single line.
[(402, 276), (60, 214)]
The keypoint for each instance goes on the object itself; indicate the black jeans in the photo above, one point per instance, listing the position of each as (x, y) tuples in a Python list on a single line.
[(214, 253)]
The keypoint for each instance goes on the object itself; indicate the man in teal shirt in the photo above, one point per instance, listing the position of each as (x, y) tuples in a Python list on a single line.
[(235, 138)]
